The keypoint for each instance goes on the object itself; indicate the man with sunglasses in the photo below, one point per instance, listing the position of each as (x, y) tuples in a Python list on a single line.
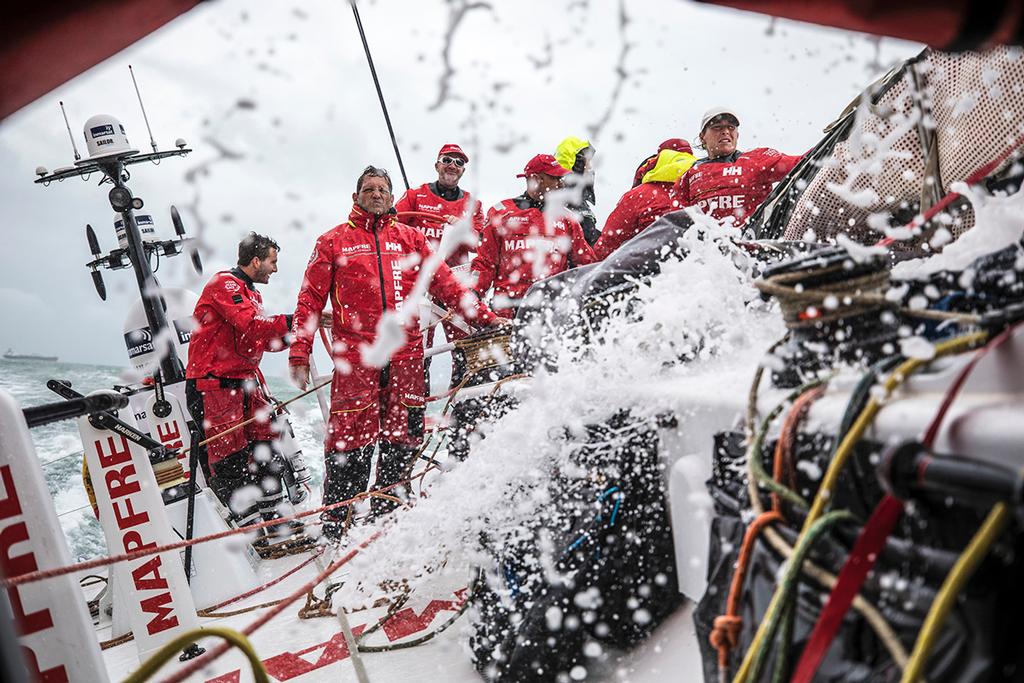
[(729, 184), (367, 266), (443, 202), (440, 204), (528, 238)]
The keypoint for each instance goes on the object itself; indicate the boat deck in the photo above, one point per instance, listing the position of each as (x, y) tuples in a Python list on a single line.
[(295, 649)]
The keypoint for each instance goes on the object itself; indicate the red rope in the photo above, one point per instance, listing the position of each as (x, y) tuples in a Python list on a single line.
[(206, 659), (268, 584), (40, 575), (954, 389)]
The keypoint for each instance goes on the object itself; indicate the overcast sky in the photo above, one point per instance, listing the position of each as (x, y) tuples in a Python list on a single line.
[(277, 102)]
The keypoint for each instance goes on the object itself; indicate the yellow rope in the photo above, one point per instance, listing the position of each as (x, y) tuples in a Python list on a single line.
[(955, 581), (161, 656), (867, 416), (824, 496)]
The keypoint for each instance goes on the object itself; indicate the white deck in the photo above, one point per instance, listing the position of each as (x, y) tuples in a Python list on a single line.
[(295, 649)]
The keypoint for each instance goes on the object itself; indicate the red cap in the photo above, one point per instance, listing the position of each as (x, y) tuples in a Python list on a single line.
[(678, 144), (452, 150), (543, 163)]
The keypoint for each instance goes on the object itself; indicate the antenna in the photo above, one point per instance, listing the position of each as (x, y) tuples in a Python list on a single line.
[(145, 118), (68, 126)]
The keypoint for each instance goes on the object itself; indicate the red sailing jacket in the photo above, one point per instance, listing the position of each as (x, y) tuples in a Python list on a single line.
[(637, 209), (735, 185), (514, 236), (426, 200), (233, 333), (366, 266)]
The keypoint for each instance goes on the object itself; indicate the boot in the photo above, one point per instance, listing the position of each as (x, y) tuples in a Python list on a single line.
[(391, 468), (345, 475)]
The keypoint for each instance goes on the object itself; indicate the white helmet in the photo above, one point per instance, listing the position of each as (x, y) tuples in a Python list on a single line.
[(105, 137), (713, 113)]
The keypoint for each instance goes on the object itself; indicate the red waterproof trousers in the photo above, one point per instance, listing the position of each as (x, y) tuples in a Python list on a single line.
[(229, 402), (376, 404)]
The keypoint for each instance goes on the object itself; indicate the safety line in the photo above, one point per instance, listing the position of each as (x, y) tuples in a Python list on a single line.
[(40, 575)]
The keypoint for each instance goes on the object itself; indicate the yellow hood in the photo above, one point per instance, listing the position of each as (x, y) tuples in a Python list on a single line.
[(671, 165), (565, 153)]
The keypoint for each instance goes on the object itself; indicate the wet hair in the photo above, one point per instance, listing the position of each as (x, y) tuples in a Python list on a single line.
[(254, 246), (372, 172)]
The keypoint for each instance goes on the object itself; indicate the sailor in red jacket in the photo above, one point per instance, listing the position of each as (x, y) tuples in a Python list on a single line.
[(521, 243), (444, 199), (448, 204), (223, 383), (729, 184), (368, 266), (645, 203)]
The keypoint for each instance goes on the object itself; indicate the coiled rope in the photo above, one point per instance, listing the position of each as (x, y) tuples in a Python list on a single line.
[(806, 305)]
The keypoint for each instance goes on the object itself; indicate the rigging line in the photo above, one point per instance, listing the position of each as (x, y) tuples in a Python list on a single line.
[(380, 93)]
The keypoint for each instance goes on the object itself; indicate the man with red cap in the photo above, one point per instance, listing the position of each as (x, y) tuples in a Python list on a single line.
[(434, 207), (525, 239), (729, 184), (648, 201), (367, 267), (442, 203)]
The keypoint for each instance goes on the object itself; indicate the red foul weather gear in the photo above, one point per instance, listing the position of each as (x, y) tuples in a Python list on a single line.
[(449, 205), (232, 332), (225, 403), (644, 204), (224, 389), (244, 457), (368, 266), (377, 404), (734, 186), (677, 144), (637, 209), (516, 234)]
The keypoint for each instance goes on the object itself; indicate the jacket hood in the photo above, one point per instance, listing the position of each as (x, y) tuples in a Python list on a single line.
[(671, 165), (565, 153)]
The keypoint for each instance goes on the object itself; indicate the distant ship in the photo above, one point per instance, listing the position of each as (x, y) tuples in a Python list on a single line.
[(10, 355)]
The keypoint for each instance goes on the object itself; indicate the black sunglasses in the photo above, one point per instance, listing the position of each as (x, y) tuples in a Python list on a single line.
[(448, 161)]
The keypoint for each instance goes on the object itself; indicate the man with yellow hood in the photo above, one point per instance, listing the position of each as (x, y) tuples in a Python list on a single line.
[(648, 201), (576, 156)]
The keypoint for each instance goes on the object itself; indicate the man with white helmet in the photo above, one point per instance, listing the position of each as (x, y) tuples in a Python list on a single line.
[(729, 184)]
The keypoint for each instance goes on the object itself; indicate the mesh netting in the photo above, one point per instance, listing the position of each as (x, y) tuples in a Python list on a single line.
[(974, 102)]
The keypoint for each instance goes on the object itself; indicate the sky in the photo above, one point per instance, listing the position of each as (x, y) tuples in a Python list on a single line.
[(277, 102)]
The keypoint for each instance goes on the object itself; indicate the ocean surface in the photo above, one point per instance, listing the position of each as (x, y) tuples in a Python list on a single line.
[(59, 448)]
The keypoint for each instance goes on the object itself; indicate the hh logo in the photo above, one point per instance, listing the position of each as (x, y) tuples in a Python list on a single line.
[(732, 170), (393, 246)]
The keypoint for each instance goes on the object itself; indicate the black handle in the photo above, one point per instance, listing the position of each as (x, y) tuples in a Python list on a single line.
[(72, 408)]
